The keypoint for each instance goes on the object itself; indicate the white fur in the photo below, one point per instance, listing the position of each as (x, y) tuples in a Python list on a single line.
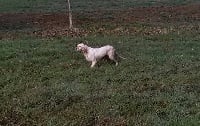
[(95, 54)]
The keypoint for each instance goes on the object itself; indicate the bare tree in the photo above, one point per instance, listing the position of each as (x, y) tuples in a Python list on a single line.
[(70, 15)]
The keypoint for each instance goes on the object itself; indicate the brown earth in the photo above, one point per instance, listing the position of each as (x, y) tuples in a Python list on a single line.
[(56, 24)]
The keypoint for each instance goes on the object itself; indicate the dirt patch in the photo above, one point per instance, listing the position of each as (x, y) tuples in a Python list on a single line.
[(56, 24)]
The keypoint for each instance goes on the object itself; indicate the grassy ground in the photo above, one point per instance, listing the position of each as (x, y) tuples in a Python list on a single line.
[(46, 82)]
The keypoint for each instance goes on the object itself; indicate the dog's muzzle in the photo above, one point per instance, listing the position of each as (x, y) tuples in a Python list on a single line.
[(78, 49)]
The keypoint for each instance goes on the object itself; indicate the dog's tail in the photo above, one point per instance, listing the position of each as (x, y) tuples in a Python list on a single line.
[(120, 56)]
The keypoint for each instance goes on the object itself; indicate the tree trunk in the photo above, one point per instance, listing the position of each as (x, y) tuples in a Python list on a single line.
[(70, 15)]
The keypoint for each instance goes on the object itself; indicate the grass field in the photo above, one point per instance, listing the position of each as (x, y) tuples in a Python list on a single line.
[(44, 81)]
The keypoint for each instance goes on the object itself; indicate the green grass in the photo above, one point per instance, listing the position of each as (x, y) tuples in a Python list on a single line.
[(46, 82), (81, 5), (32, 6)]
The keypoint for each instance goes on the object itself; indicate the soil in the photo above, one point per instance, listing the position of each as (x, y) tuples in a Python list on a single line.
[(56, 24)]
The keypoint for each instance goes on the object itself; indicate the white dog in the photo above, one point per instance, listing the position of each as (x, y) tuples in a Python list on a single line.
[(95, 54)]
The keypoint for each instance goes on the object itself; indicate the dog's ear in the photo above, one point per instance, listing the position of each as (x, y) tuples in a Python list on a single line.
[(84, 49)]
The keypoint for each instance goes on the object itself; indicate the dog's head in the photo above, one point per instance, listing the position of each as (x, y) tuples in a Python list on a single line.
[(82, 47)]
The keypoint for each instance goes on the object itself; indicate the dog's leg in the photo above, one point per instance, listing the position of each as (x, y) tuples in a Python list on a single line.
[(93, 63), (116, 63), (111, 56)]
